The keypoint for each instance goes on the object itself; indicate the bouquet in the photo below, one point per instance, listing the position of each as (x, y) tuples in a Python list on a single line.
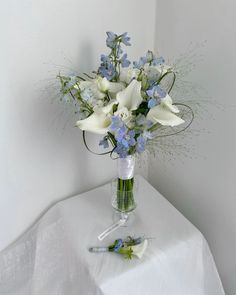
[(127, 103)]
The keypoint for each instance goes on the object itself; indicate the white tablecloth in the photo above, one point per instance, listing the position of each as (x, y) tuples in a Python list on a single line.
[(52, 258)]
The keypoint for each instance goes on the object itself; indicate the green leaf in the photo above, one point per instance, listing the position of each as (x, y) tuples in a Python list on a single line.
[(142, 109)]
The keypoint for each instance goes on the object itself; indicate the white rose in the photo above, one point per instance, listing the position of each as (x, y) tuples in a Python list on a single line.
[(125, 115)]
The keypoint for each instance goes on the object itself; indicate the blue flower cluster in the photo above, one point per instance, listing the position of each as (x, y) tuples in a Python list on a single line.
[(150, 58), (104, 142), (156, 94), (118, 245), (107, 69), (127, 139), (109, 63), (124, 61), (112, 39)]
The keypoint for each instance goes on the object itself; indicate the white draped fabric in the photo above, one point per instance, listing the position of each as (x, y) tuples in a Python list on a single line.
[(52, 258)]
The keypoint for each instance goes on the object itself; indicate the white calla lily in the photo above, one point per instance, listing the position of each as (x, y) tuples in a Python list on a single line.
[(164, 113), (106, 86), (130, 97), (138, 250), (98, 122), (99, 86), (167, 101)]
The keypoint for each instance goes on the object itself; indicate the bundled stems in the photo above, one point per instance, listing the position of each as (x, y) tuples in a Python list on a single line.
[(125, 195)]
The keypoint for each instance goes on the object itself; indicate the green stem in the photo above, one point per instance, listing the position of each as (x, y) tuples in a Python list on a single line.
[(125, 197)]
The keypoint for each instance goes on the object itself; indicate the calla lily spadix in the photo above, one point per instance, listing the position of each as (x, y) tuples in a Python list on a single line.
[(98, 122), (164, 113), (130, 97)]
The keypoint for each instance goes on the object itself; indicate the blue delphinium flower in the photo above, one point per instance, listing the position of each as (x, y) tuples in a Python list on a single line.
[(105, 59), (120, 134), (153, 60), (121, 150), (118, 245), (142, 61), (152, 103), (130, 138), (158, 61), (111, 40), (116, 123), (124, 61), (125, 39), (126, 138), (143, 122), (87, 94), (156, 92), (104, 142), (119, 51), (141, 142), (107, 69), (149, 58)]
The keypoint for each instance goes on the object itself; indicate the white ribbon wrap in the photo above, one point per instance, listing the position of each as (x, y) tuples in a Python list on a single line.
[(126, 167)]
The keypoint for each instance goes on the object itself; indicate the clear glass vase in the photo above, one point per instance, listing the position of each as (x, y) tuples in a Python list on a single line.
[(124, 187)]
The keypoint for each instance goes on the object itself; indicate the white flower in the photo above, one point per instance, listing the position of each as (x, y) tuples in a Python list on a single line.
[(127, 74), (102, 84), (98, 87), (130, 97), (138, 250), (164, 113), (155, 72), (125, 115), (115, 87), (98, 122)]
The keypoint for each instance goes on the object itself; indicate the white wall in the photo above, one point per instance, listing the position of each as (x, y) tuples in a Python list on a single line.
[(202, 186), (42, 158)]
